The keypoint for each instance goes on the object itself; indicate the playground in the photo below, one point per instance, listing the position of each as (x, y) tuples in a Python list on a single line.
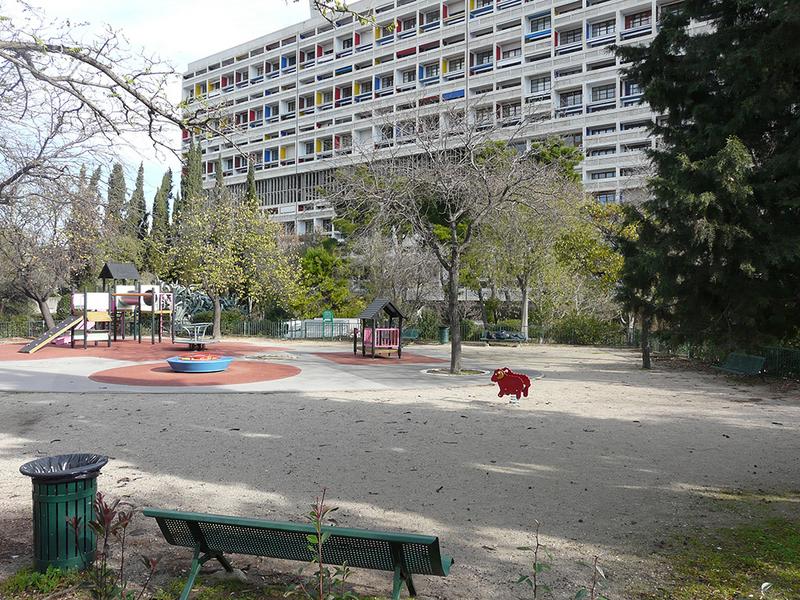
[(613, 461)]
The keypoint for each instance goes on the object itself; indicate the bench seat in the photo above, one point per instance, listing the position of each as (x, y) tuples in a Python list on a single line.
[(739, 363), (213, 536)]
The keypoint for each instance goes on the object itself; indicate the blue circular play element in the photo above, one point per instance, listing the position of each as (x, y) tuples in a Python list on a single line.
[(180, 364)]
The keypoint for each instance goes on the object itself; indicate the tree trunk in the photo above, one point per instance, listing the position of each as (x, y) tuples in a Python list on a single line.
[(482, 302), (523, 321), (452, 313), (46, 315), (216, 330), (645, 341)]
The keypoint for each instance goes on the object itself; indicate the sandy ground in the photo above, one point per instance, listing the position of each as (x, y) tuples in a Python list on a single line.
[(610, 459)]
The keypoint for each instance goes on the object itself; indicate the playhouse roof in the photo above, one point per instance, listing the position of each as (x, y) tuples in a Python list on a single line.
[(115, 270), (378, 305)]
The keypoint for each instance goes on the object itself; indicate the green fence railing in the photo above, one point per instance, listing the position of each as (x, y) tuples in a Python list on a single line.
[(24, 329)]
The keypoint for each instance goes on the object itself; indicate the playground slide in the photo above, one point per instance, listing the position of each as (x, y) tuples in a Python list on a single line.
[(66, 338), (51, 334)]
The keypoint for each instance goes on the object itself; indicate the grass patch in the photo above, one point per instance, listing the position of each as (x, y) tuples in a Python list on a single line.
[(733, 563), (227, 589), (29, 583)]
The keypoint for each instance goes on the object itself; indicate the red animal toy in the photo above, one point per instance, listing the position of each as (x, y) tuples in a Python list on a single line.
[(512, 384)]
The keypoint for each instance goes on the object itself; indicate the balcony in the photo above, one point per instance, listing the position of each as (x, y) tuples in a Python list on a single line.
[(363, 97), (483, 10), (569, 111), (429, 80), (407, 33), (538, 35), (505, 4), (484, 68), (601, 40), (430, 26), (601, 105), (509, 62), (635, 32), (455, 18), (451, 75), (387, 39), (632, 99), (570, 48)]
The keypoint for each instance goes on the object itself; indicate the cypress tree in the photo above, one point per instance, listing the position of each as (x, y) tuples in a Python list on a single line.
[(116, 197), (137, 208), (250, 194), (159, 229), (721, 229)]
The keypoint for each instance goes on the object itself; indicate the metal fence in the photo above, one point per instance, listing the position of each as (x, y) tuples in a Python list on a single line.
[(784, 362), (25, 329)]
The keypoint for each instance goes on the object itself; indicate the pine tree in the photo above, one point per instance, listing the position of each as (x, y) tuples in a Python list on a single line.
[(116, 198), (722, 227), (137, 208)]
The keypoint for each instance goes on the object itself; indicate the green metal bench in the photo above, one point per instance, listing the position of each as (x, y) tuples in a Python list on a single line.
[(410, 335), (213, 536), (743, 364)]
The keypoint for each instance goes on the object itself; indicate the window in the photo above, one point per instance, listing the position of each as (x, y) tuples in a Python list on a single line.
[(639, 19), (632, 88), (509, 111), (571, 36), (456, 64), (366, 87), (483, 58), (483, 115), (601, 151), (603, 92), (309, 147), (540, 85), (327, 97), (387, 81), (602, 175), (408, 77), (432, 70), (432, 17), (512, 52), (347, 43), (409, 23), (290, 106), (605, 197), (327, 145), (571, 98), (601, 129), (482, 3), (540, 24), (603, 28), (573, 139)]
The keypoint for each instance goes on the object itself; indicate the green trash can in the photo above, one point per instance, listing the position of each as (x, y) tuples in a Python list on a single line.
[(444, 335), (64, 487)]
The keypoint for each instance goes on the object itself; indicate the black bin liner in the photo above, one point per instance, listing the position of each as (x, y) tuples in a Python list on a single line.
[(64, 467)]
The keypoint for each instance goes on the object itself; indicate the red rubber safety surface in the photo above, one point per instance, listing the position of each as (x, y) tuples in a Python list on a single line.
[(408, 358), (160, 375), (130, 350)]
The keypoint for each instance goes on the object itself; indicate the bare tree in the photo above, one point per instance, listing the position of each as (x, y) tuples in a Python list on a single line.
[(37, 248), (443, 186)]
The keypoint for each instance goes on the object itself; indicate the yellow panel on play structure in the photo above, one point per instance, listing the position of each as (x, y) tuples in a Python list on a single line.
[(98, 317)]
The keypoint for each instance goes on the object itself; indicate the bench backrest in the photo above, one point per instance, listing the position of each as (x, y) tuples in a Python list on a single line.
[(359, 548), (747, 363)]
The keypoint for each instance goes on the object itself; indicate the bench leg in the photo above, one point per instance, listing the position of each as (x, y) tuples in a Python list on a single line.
[(397, 584), (224, 562), (193, 571)]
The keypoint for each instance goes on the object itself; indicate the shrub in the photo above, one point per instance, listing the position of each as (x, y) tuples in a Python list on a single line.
[(470, 332), (228, 317), (585, 330), (428, 324)]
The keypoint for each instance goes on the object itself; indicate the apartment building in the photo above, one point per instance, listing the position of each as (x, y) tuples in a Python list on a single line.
[(306, 98)]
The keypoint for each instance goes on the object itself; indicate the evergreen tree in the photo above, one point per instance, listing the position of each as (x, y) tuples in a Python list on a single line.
[(721, 230), (137, 208), (250, 194), (191, 183), (159, 229), (116, 198)]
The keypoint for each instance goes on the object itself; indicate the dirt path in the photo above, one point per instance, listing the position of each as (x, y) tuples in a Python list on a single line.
[(612, 460)]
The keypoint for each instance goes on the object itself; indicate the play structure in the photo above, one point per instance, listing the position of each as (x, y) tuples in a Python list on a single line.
[(108, 315), (379, 330), (199, 363)]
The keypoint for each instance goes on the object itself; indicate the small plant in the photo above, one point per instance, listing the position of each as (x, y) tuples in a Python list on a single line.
[(30, 581), (598, 576), (326, 584), (537, 567), (111, 523)]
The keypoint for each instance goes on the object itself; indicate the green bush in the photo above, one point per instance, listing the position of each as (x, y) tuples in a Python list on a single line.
[(64, 307), (470, 332), (508, 325), (428, 324), (228, 317), (586, 330)]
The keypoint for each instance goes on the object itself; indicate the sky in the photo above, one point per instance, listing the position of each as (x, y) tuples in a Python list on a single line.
[(177, 31)]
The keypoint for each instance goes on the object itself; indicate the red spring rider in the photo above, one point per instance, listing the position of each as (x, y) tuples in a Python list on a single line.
[(510, 383)]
